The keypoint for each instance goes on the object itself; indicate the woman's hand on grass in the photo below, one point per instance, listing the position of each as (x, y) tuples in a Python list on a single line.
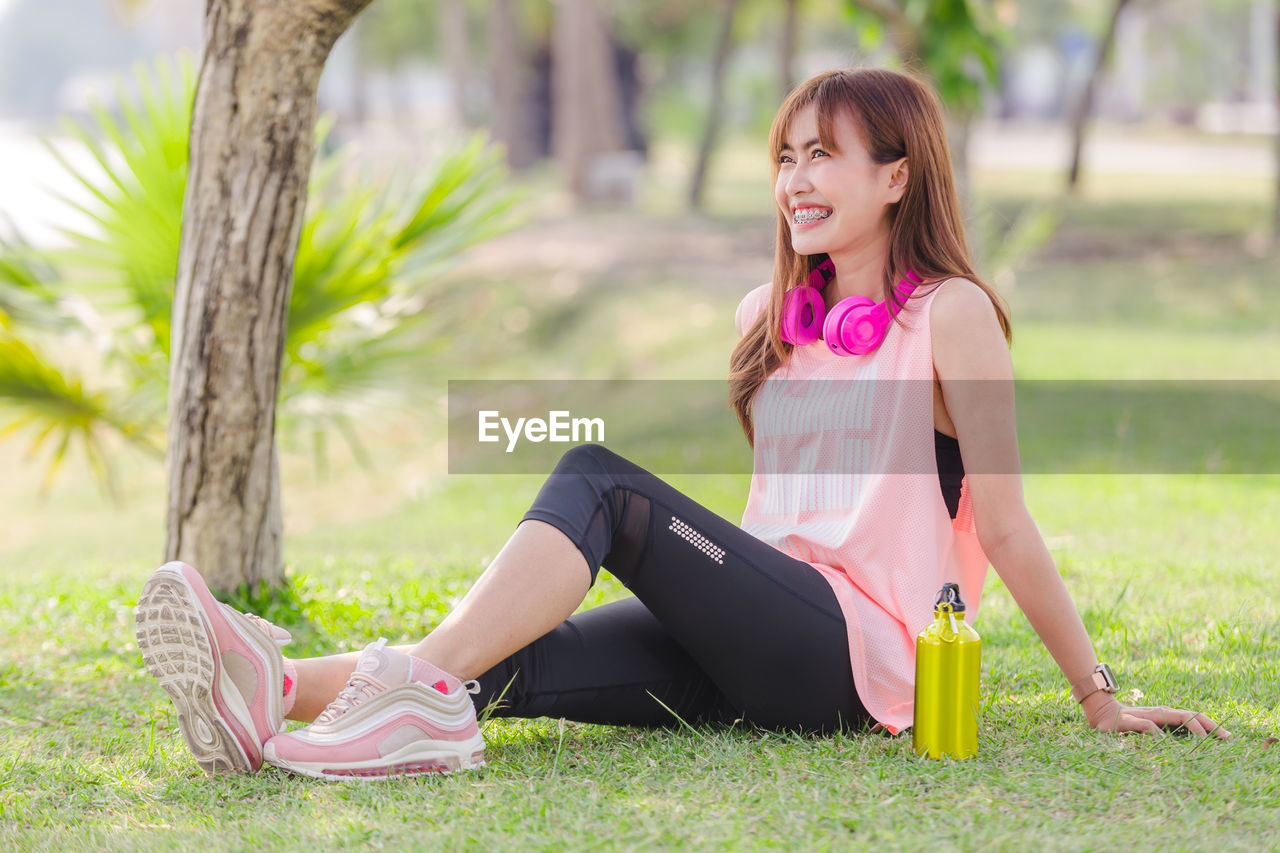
[(1107, 715)]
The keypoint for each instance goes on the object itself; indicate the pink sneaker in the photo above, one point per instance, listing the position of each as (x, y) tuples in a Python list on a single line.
[(223, 669), (398, 715)]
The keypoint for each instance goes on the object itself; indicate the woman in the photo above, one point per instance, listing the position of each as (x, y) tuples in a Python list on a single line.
[(803, 618)]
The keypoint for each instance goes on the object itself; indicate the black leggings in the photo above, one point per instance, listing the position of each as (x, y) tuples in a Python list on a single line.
[(722, 627)]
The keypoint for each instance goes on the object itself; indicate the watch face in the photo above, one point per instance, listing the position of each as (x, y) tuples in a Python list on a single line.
[(1107, 676)]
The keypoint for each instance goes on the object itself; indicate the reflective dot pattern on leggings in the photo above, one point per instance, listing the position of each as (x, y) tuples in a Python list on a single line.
[(697, 540)]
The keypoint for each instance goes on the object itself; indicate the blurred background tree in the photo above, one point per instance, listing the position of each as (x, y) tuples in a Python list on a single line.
[(1084, 101)]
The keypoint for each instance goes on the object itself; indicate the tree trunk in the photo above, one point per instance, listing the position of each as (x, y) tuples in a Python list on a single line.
[(455, 45), (1275, 222), (252, 134), (509, 122), (1080, 115), (724, 48), (359, 105), (959, 135), (587, 122), (787, 47)]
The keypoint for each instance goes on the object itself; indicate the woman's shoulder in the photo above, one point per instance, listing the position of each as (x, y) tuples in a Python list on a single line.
[(967, 338), (751, 307), (958, 302)]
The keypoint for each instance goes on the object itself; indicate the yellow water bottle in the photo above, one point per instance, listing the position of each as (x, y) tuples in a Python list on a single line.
[(948, 668)]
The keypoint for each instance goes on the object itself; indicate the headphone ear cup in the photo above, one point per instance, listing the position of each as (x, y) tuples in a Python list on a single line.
[(855, 326), (803, 313)]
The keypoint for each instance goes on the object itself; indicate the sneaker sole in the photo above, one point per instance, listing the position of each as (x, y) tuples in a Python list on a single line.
[(178, 648), (430, 763)]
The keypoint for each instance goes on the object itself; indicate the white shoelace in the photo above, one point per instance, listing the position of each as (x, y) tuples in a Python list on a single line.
[(278, 635), (358, 688)]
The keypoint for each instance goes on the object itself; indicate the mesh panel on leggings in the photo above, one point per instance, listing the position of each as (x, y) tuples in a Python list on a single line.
[(586, 497), (630, 534)]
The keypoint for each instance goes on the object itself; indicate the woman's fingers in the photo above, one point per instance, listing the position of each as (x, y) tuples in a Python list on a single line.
[(1213, 728), (1158, 719), (1191, 723), (1155, 720), (1141, 725)]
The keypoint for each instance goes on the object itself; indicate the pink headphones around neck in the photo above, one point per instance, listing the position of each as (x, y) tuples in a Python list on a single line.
[(855, 325)]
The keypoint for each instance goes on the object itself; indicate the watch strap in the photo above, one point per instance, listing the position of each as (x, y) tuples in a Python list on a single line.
[(1100, 679)]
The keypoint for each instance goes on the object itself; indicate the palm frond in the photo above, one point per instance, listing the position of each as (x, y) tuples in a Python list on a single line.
[(136, 194), (357, 330), (56, 405), (25, 295)]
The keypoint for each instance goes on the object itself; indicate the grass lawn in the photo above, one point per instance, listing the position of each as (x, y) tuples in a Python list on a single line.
[(1175, 576)]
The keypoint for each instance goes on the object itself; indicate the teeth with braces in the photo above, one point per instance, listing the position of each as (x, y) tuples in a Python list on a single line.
[(811, 214)]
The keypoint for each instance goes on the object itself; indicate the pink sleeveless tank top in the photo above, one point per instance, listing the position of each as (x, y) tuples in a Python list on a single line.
[(845, 479)]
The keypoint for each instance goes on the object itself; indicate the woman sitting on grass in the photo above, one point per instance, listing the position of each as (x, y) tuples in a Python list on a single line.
[(801, 619)]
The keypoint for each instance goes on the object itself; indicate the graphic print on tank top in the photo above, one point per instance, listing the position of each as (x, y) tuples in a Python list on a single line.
[(825, 427)]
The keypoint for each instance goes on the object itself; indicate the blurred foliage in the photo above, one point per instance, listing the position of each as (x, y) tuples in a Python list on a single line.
[(666, 28), (1004, 247), (955, 42), (958, 47), (360, 314), (390, 32), (130, 259), (1050, 19), (58, 408), (39, 392)]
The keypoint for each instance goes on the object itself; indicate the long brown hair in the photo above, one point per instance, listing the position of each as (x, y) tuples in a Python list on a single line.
[(898, 116)]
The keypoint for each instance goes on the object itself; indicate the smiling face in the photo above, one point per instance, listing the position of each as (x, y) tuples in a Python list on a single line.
[(835, 197)]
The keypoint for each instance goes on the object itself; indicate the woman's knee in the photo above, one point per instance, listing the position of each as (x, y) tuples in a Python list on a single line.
[(589, 459), (602, 464)]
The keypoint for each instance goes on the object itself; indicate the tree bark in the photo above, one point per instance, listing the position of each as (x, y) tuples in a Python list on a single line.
[(455, 45), (787, 47), (587, 121), (724, 48), (1275, 221), (959, 135), (252, 135), (510, 121), (1080, 115)]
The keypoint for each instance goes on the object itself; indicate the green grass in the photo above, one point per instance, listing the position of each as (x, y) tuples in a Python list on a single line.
[(1174, 576)]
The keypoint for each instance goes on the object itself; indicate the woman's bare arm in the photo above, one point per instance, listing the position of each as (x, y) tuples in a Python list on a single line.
[(972, 363)]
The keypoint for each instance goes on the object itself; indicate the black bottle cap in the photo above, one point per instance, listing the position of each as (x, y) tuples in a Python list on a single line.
[(950, 594)]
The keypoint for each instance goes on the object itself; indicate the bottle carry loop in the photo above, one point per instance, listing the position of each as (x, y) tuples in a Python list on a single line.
[(950, 603), (951, 616)]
